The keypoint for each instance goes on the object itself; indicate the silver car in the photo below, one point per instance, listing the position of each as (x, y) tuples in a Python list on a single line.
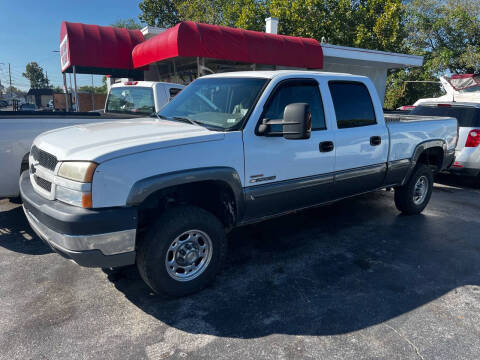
[(467, 152)]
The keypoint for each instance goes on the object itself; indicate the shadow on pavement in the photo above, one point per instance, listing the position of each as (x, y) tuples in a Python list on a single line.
[(458, 181), (330, 270), (16, 234)]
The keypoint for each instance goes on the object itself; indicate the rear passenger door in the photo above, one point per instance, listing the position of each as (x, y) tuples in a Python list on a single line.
[(361, 142)]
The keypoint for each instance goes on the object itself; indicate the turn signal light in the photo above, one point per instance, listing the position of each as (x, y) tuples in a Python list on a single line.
[(87, 200), (473, 139)]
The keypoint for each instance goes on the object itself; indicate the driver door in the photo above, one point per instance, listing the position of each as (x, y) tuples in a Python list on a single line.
[(283, 175)]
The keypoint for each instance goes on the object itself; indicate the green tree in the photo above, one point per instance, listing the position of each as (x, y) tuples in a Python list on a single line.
[(58, 90), (13, 90), (447, 34), (86, 88), (372, 24), (375, 24), (94, 89), (161, 13), (450, 32), (404, 87), (34, 73), (102, 89), (380, 25), (127, 24)]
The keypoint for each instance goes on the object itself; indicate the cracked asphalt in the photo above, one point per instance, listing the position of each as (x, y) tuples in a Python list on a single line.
[(352, 280)]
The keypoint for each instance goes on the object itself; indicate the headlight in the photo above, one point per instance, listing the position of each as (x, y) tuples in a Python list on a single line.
[(74, 193), (77, 170)]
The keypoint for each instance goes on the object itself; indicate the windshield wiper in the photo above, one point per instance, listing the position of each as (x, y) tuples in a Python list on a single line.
[(184, 119), (179, 118), (160, 117)]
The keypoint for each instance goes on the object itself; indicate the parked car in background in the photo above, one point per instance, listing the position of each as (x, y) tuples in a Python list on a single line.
[(144, 97), (406, 107), (231, 149), (3, 103), (18, 129), (463, 88), (28, 107), (467, 152)]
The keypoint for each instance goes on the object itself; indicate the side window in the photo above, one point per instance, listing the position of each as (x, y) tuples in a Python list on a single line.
[(173, 92), (297, 92), (353, 104)]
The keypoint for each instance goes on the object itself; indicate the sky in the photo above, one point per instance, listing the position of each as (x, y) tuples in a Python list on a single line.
[(30, 31)]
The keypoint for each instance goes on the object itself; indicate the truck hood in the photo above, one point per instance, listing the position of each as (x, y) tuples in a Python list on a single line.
[(104, 141)]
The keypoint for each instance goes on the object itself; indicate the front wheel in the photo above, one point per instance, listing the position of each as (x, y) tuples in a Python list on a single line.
[(182, 251), (414, 196)]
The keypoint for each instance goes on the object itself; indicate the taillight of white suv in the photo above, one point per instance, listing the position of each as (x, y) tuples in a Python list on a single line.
[(473, 139)]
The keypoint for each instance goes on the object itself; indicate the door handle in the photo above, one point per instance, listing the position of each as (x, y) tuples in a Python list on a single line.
[(326, 146), (375, 140)]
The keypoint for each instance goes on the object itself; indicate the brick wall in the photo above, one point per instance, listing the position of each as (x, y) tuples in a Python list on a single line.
[(85, 101)]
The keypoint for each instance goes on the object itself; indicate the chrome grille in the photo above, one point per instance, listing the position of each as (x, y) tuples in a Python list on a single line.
[(44, 158), (44, 184)]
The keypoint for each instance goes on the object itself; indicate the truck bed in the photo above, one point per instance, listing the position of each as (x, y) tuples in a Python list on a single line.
[(407, 131), (63, 115)]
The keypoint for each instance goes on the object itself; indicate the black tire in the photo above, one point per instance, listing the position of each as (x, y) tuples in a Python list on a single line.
[(404, 195), (153, 248)]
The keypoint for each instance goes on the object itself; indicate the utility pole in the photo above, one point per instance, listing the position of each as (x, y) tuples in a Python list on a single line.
[(71, 90), (77, 100), (10, 76), (93, 96), (65, 88)]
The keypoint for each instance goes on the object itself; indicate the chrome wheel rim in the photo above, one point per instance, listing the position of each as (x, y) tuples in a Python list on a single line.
[(420, 190), (188, 255)]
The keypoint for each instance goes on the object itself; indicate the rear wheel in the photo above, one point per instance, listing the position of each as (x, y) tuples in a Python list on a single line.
[(414, 196), (182, 251)]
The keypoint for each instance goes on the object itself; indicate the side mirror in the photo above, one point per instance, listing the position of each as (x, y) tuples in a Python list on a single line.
[(297, 121)]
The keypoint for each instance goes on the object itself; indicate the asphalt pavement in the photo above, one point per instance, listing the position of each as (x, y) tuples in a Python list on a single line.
[(351, 280)]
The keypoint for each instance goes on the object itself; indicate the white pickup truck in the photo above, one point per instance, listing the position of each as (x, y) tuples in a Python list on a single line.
[(18, 129), (229, 150)]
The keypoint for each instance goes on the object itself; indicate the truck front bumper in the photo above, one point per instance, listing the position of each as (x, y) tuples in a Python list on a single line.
[(90, 237)]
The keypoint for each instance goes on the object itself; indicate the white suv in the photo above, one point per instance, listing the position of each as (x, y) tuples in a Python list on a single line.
[(467, 152)]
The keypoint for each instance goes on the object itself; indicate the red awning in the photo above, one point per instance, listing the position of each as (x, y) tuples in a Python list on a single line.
[(190, 39), (97, 49)]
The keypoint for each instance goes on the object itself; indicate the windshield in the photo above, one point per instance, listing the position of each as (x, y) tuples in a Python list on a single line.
[(217, 102), (470, 89), (131, 99), (466, 116)]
